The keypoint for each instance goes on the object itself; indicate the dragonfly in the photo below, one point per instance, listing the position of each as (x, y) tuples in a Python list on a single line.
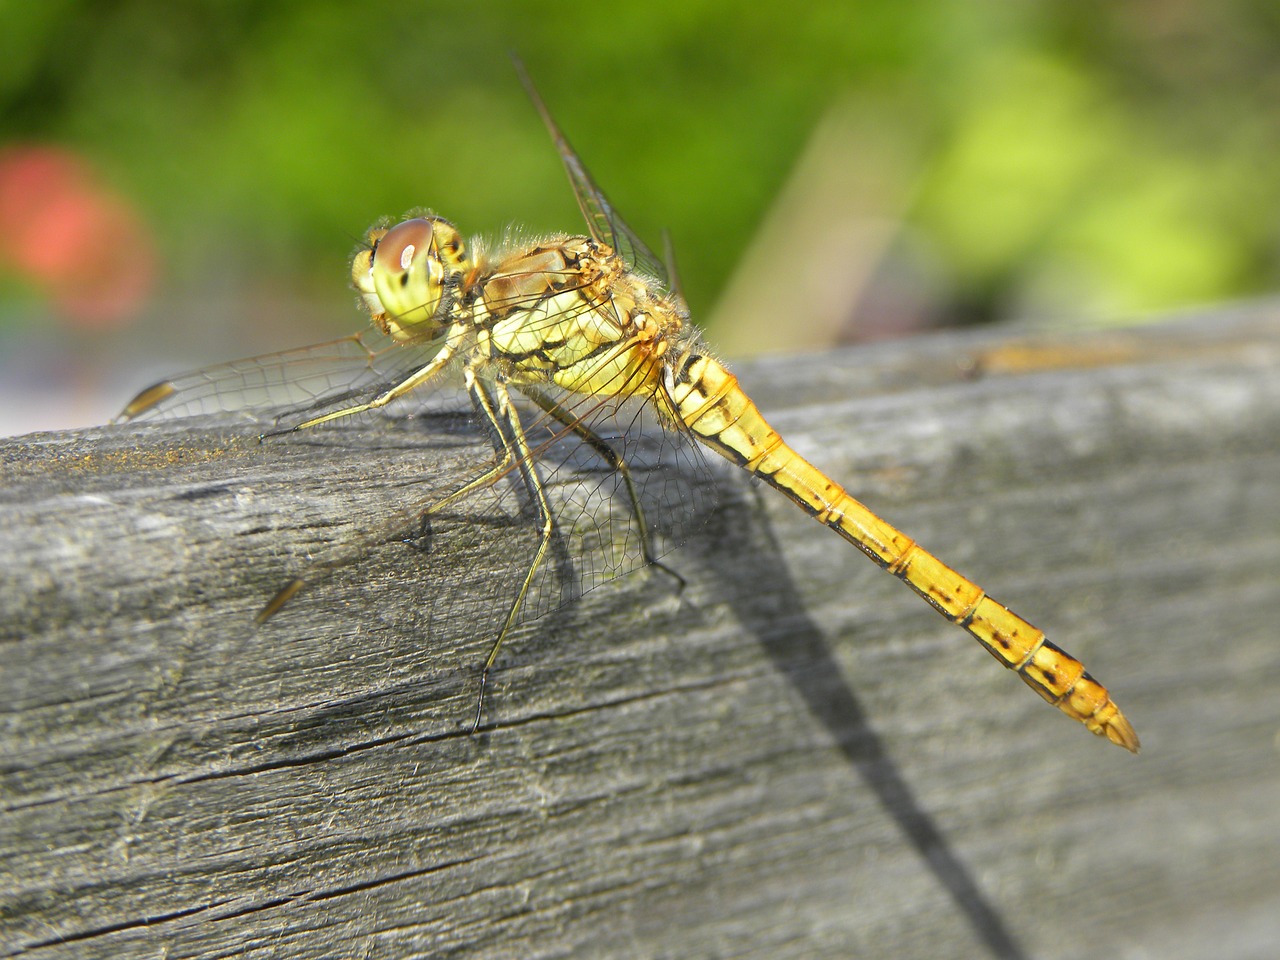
[(581, 338)]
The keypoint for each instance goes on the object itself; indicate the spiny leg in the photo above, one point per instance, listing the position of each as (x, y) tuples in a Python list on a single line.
[(410, 383), (486, 479), (492, 399), (615, 461)]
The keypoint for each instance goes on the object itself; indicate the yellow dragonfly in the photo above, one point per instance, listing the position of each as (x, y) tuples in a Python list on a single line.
[(577, 338)]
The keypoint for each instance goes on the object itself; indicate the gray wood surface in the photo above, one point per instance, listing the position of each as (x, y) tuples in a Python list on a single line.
[(794, 757)]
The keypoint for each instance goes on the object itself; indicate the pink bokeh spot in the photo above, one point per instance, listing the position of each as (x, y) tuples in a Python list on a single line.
[(70, 236)]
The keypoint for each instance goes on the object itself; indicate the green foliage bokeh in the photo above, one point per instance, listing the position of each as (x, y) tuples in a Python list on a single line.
[(1093, 157)]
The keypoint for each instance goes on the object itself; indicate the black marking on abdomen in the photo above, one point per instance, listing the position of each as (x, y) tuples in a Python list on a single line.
[(690, 359)]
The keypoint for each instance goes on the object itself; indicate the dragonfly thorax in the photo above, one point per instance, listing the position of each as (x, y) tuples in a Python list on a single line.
[(409, 276), (569, 311)]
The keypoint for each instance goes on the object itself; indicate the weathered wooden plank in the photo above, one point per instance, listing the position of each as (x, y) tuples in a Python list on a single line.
[(794, 757)]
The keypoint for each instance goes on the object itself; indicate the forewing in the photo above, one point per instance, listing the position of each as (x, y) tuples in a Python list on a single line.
[(604, 222), (472, 555), (280, 389)]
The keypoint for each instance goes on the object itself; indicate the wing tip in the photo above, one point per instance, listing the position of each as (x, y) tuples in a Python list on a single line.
[(145, 400)]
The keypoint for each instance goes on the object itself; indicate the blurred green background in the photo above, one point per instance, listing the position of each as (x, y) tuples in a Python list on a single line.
[(831, 172)]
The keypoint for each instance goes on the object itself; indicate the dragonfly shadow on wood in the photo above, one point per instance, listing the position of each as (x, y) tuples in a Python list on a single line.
[(804, 656)]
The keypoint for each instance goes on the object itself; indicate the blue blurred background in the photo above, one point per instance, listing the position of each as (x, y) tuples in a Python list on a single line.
[(184, 183)]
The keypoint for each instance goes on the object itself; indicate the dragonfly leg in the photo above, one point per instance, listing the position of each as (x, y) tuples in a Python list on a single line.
[(493, 401), (486, 479), (615, 461), (410, 383)]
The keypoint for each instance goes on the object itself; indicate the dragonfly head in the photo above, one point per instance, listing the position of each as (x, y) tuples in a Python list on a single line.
[(409, 276)]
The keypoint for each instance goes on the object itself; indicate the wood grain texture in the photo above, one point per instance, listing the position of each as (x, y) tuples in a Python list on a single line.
[(792, 758)]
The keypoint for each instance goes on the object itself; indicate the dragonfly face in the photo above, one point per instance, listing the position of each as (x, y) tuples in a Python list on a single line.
[(410, 275)]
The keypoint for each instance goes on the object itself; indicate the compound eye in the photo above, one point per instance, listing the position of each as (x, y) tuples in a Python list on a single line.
[(408, 280), (396, 251)]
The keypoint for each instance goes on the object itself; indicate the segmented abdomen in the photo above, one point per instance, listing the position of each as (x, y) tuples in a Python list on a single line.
[(709, 401)]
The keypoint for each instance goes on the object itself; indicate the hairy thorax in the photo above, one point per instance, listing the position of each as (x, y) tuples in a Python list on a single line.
[(569, 312)]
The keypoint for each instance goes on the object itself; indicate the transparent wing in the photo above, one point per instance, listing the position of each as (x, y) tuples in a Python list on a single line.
[(468, 561), (282, 387), (603, 220), (623, 489)]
